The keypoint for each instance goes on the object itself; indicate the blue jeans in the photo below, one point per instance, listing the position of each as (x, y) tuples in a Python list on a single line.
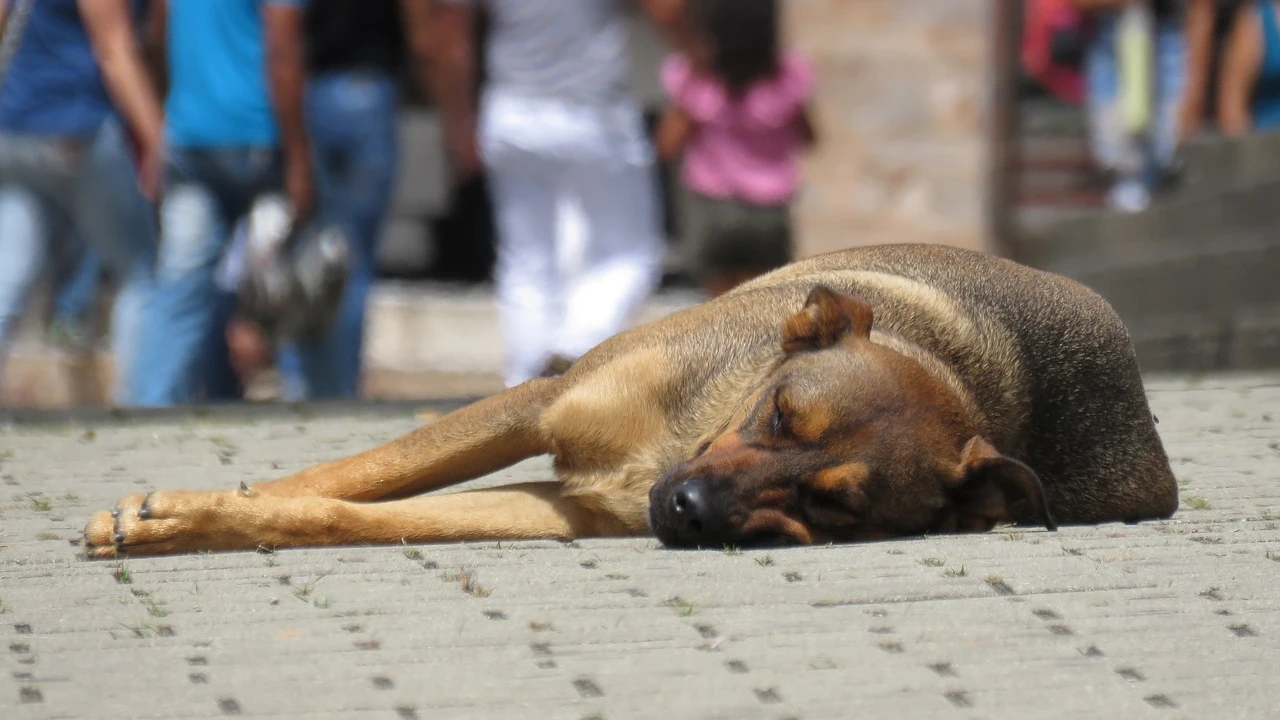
[(208, 190), (352, 122), (47, 188), (1113, 149), (80, 283)]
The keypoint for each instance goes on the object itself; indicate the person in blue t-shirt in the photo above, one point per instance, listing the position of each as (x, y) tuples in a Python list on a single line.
[(63, 153), (234, 127)]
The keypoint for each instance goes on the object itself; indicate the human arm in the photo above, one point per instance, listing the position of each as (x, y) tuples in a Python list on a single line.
[(808, 130), (283, 30), (109, 26), (155, 42), (441, 41), (670, 17), (1241, 61), (675, 128)]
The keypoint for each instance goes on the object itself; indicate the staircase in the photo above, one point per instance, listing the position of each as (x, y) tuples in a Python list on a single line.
[(1056, 177), (1195, 275)]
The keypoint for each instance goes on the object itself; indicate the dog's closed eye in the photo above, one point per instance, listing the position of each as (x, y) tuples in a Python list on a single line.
[(780, 415)]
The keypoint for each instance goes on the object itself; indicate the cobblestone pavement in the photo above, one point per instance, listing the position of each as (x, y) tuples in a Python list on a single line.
[(1175, 619)]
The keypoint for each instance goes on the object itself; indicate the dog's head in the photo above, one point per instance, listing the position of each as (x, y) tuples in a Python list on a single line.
[(847, 440)]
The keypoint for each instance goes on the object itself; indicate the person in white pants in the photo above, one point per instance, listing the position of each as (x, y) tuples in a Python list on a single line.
[(556, 127)]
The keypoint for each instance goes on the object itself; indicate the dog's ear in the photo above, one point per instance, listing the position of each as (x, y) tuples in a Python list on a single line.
[(827, 318), (987, 483)]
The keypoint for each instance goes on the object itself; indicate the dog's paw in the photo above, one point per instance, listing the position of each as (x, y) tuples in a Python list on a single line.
[(159, 523), (99, 535)]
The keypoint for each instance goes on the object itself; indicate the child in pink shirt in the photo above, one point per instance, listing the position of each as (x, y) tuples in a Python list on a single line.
[(740, 115)]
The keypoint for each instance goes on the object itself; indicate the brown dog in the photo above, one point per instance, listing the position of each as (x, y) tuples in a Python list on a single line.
[(860, 395)]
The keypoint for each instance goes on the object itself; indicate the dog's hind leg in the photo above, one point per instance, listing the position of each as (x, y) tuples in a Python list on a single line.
[(168, 522), (475, 440)]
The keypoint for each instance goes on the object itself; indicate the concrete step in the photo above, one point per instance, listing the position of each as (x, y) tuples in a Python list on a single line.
[(1215, 165), (416, 327), (1049, 117)]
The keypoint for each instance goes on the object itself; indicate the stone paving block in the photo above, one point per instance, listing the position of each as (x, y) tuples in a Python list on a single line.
[(1172, 619)]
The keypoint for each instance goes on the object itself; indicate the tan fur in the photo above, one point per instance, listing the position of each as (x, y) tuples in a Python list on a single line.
[(988, 343)]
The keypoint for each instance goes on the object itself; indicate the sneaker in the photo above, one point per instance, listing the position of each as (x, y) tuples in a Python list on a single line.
[(1128, 196)]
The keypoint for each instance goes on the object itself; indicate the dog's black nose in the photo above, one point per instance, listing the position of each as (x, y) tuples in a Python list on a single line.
[(689, 501), (689, 508)]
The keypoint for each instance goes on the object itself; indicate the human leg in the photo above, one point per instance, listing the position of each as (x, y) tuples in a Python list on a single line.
[(118, 225), (524, 181), (621, 260), (353, 129), (1171, 53), (207, 190), (79, 282), (24, 245)]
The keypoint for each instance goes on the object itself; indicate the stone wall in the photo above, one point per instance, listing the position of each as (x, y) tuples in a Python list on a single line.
[(902, 108)]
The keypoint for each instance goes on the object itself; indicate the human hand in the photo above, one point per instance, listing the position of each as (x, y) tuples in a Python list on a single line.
[(299, 185), (466, 158), (249, 348), (151, 164)]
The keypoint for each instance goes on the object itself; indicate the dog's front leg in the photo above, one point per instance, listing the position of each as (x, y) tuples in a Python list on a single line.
[(470, 442), (167, 522)]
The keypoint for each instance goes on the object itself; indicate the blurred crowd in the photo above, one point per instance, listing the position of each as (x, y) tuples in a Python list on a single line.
[(152, 141), (1154, 74)]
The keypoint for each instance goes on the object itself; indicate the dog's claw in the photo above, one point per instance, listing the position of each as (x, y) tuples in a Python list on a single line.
[(115, 512), (244, 489)]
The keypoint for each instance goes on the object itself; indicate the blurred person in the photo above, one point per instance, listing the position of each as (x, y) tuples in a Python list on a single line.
[(1249, 88), (740, 115), (66, 166), (557, 119), (1206, 27), (1054, 34), (357, 51), (355, 55), (1134, 70), (71, 322), (235, 130)]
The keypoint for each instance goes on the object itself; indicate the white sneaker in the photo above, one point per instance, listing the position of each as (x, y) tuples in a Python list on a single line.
[(1128, 196)]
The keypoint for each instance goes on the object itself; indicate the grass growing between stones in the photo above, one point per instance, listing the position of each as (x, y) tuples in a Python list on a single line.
[(682, 607), (1197, 502)]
